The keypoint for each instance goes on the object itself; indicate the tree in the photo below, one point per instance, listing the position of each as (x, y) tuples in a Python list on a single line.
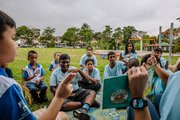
[(71, 36), (127, 32), (23, 32), (97, 36), (47, 37), (107, 36), (117, 36), (36, 32), (86, 33)]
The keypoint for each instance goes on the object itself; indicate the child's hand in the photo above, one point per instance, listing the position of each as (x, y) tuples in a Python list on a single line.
[(34, 75), (137, 77), (65, 88), (96, 82), (87, 72), (127, 56), (37, 82)]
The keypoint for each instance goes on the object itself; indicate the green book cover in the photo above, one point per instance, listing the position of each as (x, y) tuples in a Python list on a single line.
[(115, 92)]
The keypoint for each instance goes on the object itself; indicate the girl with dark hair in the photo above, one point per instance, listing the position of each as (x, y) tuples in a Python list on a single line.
[(128, 53)]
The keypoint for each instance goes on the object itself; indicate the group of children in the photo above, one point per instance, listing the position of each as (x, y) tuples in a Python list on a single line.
[(85, 80)]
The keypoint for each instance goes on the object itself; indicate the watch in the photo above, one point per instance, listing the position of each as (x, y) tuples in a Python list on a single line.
[(138, 103)]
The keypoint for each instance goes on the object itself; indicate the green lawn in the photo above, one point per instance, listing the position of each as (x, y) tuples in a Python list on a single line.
[(45, 56)]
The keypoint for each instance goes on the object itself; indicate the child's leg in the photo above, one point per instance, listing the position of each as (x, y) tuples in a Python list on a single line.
[(43, 88), (33, 90), (71, 105)]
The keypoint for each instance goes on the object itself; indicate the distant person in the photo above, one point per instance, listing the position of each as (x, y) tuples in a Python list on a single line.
[(80, 98), (128, 53), (13, 105), (115, 67), (89, 54), (94, 82), (7, 70), (55, 63), (34, 75)]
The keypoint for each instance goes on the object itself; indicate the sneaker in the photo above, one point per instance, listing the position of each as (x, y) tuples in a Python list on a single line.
[(95, 104), (81, 114)]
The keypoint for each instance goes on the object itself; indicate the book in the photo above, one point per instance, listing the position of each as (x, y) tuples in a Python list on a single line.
[(116, 93)]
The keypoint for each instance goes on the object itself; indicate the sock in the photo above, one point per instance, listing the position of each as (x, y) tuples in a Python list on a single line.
[(86, 106)]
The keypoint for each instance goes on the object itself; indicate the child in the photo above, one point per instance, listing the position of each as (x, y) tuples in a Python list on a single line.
[(158, 85), (89, 54), (158, 54), (34, 74), (128, 53), (54, 64), (12, 102), (7, 70), (94, 83), (133, 62), (80, 98), (114, 68)]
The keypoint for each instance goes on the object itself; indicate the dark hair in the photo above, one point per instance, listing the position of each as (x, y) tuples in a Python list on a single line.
[(145, 58), (126, 48), (110, 53), (133, 62), (56, 53), (89, 47), (158, 50), (89, 59), (5, 21), (30, 53), (64, 57)]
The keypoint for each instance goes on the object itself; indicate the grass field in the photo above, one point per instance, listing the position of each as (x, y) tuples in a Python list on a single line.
[(45, 56)]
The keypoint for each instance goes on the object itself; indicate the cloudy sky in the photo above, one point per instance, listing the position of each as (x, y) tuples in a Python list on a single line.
[(146, 15)]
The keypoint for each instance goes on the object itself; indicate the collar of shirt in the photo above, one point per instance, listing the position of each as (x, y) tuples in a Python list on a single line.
[(2, 72), (30, 66), (55, 62)]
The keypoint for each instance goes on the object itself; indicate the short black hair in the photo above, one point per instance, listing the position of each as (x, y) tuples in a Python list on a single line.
[(30, 53), (158, 49), (110, 53), (56, 53), (89, 59), (133, 62), (64, 57), (5, 21), (89, 47)]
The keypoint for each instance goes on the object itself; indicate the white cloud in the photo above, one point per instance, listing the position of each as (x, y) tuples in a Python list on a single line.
[(146, 15)]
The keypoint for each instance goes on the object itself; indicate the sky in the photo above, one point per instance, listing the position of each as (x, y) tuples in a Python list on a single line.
[(145, 15)]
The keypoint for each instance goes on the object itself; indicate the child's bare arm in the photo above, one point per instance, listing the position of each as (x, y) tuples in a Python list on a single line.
[(63, 91), (162, 73)]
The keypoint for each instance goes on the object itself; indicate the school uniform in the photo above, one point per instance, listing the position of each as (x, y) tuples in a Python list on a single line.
[(85, 57), (12, 103), (53, 65), (115, 71)]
